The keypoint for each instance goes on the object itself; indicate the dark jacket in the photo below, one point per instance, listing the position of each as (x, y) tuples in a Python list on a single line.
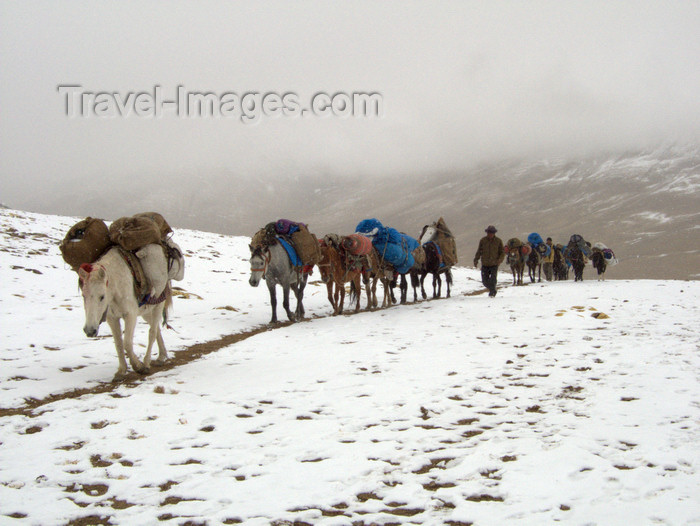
[(490, 251)]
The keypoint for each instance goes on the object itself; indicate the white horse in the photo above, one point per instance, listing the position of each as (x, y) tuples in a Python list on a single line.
[(108, 294)]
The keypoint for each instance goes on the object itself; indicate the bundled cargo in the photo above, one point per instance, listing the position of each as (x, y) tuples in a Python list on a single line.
[(285, 227), (306, 245), (392, 246), (160, 221), (538, 244), (609, 255), (535, 239), (512, 244), (447, 243), (133, 233), (357, 244), (176, 260), (419, 255), (263, 238), (85, 242), (577, 240)]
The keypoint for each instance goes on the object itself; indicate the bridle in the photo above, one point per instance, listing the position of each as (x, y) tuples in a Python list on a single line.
[(266, 259)]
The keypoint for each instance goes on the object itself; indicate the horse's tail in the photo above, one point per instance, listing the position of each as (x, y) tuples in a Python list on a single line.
[(353, 292), (167, 308)]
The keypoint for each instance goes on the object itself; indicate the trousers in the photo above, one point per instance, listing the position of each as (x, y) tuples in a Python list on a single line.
[(489, 277)]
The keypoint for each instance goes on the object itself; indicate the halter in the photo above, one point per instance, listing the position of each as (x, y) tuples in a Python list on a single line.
[(266, 258)]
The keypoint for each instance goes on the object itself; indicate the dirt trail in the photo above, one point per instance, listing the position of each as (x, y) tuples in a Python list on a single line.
[(177, 359)]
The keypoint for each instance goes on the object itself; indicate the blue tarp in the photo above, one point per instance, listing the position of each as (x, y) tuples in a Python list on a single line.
[(293, 257), (535, 239), (393, 246)]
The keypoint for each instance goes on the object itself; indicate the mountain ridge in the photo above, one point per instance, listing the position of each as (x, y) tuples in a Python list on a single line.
[(642, 204)]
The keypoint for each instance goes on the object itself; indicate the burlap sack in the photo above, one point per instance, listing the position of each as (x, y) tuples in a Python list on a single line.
[(448, 246), (514, 242), (259, 238), (306, 245), (419, 256), (85, 242), (447, 243), (176, 260), (132, 233), (159, 220)]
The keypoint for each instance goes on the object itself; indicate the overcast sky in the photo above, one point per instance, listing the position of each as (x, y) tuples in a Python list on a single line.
[(461, 82)]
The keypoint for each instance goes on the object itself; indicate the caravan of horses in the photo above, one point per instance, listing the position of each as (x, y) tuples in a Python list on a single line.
[(125, 272)]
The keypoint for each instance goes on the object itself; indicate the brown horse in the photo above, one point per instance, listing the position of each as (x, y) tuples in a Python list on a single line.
[(578, 260), (559, 266), (516, 257), (534, 264), (337, 270), (372, 273)]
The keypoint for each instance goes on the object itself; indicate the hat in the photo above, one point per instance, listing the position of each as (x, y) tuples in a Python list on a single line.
[(491, 229)]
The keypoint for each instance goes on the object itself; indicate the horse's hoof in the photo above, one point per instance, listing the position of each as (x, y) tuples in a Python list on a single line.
[(159, 361), (118, 377), (143, 370)]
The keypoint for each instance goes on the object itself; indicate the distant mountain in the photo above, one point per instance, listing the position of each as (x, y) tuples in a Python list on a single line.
[(643, 205)]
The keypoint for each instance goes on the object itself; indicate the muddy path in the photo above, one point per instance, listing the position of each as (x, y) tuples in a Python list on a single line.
[(32, 407)]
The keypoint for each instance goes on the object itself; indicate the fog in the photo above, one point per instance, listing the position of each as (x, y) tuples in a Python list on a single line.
[(461, 83)]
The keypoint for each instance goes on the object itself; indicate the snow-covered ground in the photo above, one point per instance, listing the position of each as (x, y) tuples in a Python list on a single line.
[(523, 409)]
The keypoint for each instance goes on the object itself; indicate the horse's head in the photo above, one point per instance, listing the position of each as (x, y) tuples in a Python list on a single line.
[(325, 265), (93, 280), (428, 234), (258, 265)]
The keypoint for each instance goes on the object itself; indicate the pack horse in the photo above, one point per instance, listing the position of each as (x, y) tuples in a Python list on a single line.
[(108, 293), (124, 273), (283, 253)]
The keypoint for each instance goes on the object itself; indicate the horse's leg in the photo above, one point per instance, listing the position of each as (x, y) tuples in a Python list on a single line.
[(299, 295), (340, 294), (386, 297), (356, 280), (153, 330), (415, 283), (285, 302), (162, 351), (439, 285), (368, 288), (129, 326), (422, 285), (116, 327), (371, 290), (329, 288), (300, 304), (273, 300)]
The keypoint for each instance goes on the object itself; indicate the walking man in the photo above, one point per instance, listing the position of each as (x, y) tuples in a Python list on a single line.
[(547, 261), (491, 253)]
